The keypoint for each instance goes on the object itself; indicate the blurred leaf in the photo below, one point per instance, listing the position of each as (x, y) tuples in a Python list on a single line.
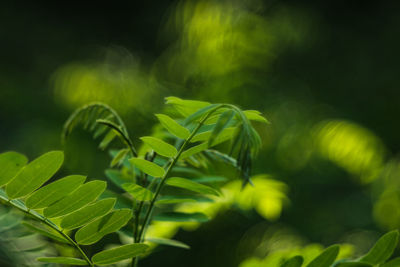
[(10, 162), (148, 167), (255, 115), (107, 257), (174, 200), (193, 150), (45, 232), (159, 146), (352, 264), (393, 263), (35, 174), (181, 217), (81, 197), (326, 258), (116, 177), (295, 261), (63, 260), (53, 192), (107, 139), (87, 214), (222, 123), (190, 185), (138, 192), (168, 242), (94, 231), (382, 249), (173, 127), (119, 157)]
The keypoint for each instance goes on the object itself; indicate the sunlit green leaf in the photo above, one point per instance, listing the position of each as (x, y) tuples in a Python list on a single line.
[(181, 217), (190, 185), (36, 173), (94, 231), (63, 260), (326, 258), (159, 146), (107, 257), (84, 195), (185, 107), (10, 163), (295, 261), (138, 192), (382, 249), (148, 167), (53, 192), (87, 214), (173, 127), (168, 242), (255, 115)]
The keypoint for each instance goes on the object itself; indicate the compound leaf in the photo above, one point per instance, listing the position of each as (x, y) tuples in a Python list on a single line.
[(114, 255), (53, 192), (35, 174), (81, 197)]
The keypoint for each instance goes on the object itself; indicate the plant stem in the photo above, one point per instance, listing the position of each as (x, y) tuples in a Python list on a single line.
[(169, 169), (54, 227)]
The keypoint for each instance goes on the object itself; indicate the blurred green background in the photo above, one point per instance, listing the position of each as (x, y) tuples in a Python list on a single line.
[(325, 73)]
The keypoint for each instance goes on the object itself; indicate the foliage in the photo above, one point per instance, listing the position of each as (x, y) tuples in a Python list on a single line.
[(70, 206)]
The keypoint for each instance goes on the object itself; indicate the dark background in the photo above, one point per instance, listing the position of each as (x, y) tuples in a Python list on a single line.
[(334, 60)]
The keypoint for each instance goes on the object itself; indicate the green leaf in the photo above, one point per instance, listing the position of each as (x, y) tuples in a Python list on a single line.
[(352, 264), (173, 127), (295, 261), (119, 157), (94, 231), (107, 139), (185, 107), (87, 214), (46, 232), (33, 175), (221, 124), (199, 114), (210, 179), (255, 115), (393, 263), (168, 242), (63, 260), (81, 197), (192, 186), (193, 150), (10, 163), (138, 192), (148, 167), (53, 192), (159, 146), (382, 249), (181, 217), (174, 200), (114, 255), (326, 258)]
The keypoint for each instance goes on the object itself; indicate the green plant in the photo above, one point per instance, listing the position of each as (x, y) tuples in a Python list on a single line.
[(378, 255), (70, 206)]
